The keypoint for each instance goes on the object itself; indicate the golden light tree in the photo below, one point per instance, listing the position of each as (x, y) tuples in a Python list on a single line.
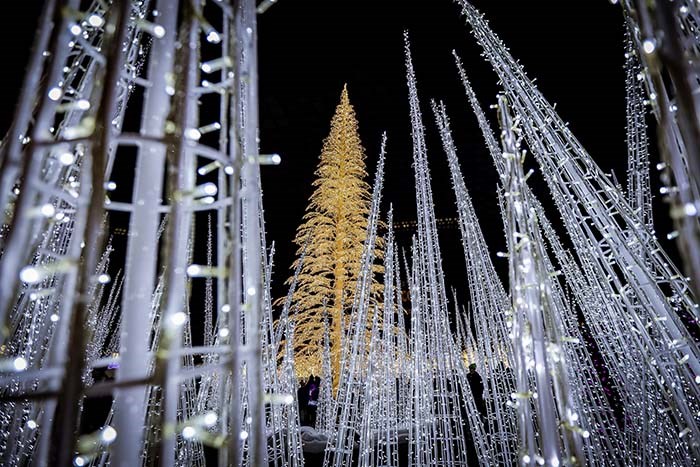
[(335, 226)]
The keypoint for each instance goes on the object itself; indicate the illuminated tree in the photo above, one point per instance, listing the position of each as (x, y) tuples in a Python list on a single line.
[(335, 226)]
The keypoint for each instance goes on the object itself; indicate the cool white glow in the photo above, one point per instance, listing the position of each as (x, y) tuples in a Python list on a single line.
[(179, 318), (223, 332), (244, 435), (66, 158), (209, 189), (83, 104), (158, 31), (20, 364), (48, 210), (226, 308), (95, 21), (31, 424), (75, 30), (210, 419), (193, 270), (108, 435), (214, 37), (103, 278), (55, 94), (29, 275), (54, 318), (690, 210), (193, 134), (649, 46), (188, 432)]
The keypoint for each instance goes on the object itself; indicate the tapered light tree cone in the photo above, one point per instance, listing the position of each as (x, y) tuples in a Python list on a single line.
[(336, 225)]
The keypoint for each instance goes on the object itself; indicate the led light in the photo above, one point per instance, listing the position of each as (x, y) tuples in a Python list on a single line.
[(66, 158), (79, 461), (251, 291), (193, 134), (20, 364), (226, 308), (83, 104), (210, 419), (75, 30), (244, 435), (95, 21), (223, 332), (31, 424), (213, 37), (30, 275), (208, 189), (194, 270), (55, 94), (158, 31), (188, 432), (649, 46), (179, 318), (54, 318), (103, 278), (111, 186), (108, 435), (47, 210)]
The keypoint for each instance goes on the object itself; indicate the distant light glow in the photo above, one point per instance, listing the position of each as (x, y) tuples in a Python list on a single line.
[(188, 432), (649, 46), (179, 318), (193, 134), (30, 275), (20, 364), (213, 37), (210, 419), (108, 435), (95, 21), (55, 94), (48, 210), (66, 158)]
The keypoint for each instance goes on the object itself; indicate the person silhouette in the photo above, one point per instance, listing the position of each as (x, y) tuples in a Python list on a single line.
[(313, 400), (476, 384), (303, 400)]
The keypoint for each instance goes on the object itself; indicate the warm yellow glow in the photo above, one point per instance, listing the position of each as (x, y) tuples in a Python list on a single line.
[(336, 220)]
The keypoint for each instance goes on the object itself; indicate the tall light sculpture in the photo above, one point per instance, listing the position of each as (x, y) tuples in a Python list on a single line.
[(79, 123)]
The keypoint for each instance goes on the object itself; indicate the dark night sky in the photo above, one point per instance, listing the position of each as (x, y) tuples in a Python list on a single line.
[(309, 48)]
